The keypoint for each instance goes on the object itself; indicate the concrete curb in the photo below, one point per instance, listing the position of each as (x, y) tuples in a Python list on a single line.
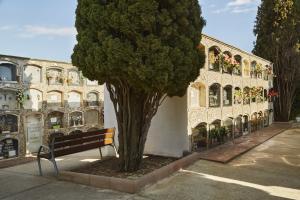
[(127, 185)]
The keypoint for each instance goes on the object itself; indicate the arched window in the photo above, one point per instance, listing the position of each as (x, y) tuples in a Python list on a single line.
[(33, 99), (254, 122), (75, 119), (214, 58), (227, 95), (74, 99), (214, 95), (245, 123), (246, 95), (265, 95), (246, 68), (237, 65), (238, 95), (73, 77), (54, 99), (260, 95), (266, 118), (55, 120), (32, 74), (228, 124), (55, 76), (266, 73), (92, 99), (8, 72), (253, 72), (227, 62), (198, 95)]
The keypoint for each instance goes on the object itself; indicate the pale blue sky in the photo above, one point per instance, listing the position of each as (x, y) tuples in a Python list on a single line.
[(45, 28)]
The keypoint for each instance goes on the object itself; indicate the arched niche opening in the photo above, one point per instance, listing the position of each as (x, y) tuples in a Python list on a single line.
[(214, 58), (246, 95), (238, 95), (198, 95), (253, 93), (73, 77), (33, 126), (55, 120), (260, 95), (92, 117), (9, 148), (266, 72), (74, 99), (214, 95), (260, 119), (246, 68), (199, 136), (246, 123), (237, 65), (228, 124), (54, 99), (93, 99), (8, 71), (8, 123), (253, 72), (32, 74), (238, 126), (228, 62), (266, 118), (55, 76), (8, 99), (75, 119), (259, 70), (227, 95), (33, 99), (254, 122)]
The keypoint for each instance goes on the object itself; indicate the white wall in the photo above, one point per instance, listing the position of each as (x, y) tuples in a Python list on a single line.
[(168, 132)]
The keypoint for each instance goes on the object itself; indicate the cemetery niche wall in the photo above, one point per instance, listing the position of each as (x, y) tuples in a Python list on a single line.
[(55, 98)]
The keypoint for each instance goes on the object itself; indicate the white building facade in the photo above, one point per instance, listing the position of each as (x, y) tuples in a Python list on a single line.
[(230, 98)]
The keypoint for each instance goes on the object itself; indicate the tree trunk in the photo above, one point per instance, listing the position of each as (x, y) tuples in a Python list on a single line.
[(134, 112)]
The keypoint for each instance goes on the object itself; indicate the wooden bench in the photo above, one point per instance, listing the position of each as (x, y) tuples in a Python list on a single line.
[(61, 145)]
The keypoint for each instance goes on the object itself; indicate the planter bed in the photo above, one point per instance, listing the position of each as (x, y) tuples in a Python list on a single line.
[(105, 174)]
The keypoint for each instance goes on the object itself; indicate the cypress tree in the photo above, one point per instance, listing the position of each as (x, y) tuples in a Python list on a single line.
[(144, 51), (277, 30)]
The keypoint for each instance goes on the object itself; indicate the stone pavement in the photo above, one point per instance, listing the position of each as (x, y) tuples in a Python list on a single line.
[(230, 150), (270, 171)]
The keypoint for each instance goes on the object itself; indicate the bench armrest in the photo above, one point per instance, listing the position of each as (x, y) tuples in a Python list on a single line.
[(43, 148)]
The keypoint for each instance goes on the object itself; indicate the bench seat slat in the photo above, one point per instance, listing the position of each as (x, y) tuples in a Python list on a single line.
[(86, 134), (78, 141)]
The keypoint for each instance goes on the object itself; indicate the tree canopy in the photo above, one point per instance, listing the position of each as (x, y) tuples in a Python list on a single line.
[(152, 44), (278, 39), (144, 51)]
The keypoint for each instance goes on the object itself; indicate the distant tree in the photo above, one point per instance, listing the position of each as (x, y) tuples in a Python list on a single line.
[(278, 39), (144, 50)]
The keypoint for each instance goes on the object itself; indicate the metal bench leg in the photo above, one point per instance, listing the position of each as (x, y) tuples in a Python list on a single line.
[(55, 166), (40, 167), (100, 152)]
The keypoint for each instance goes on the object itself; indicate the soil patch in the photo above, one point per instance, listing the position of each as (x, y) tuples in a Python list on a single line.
[(110, 167)]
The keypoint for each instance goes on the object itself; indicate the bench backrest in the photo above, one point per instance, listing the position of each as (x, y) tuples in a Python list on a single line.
[(69, 144)]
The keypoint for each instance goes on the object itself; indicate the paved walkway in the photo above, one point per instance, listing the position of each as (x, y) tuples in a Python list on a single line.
[(270, 171), (226, 152)]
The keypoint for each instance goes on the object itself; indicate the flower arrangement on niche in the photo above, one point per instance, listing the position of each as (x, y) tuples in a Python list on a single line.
[(238, 96), (258, 69), (273, 93), (20, 97)]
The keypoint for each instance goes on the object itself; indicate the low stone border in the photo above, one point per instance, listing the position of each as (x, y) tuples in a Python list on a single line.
[(15, 161), (127, 185)]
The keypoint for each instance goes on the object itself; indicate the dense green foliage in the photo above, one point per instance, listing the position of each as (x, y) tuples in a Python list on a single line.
[(278, 40), (152, 44), (144, 50)]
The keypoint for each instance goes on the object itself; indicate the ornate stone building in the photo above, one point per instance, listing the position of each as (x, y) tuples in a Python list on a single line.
[(232, 91), (41, 97), (232, 96)]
